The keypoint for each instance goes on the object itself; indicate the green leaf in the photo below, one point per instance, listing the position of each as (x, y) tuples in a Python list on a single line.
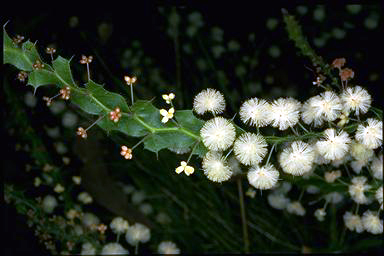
[(126, 125), (148, 113), (63, 70), (187, 119), (42, 77), (110, 100), (173, 139)]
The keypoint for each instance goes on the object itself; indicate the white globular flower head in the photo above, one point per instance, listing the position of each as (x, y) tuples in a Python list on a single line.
[(218, 134), (353, 222), (377, 167), (89, 219), (168, 247), (250, 148), (255, 112), (379, 196), (137, 233), (113, 249), (356, 99), (360, 152), (297, 159), (296, 208), (372, 223), (215, 167), (49, 203), (264, 177), (278, 200), (284, 113), (371, 135), (88, 249), (119, 225), (209, 100), (357, 189), (324, 107), (320, 214), (335, 145)]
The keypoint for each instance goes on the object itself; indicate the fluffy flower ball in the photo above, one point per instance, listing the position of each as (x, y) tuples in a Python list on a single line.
[(356, 99), (357, 189), (371, 135), (377, 167), (168, 247), (278, 200), (263, 177), (297, 159), (137, 233), (353, 222), (372, 223), (113, 248), (209, 100), (215, 167), (296, 208), (119, 225), (335, 146), (49, 203), (218, 134), (284, 113), (255, 112), (250, 148)]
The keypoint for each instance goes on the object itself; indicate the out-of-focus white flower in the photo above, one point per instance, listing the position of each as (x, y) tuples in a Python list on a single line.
[(356, 99), (264, 177), (128, 189), (255, 112), (215, 167), (88, 249), (284, 113), (379, 196), (209, 100), (335, 146), (312, 189), (218, 134), (357, 166), (234, 165), (278, 200), (30, 99), (113, 248), (59, 188), (372, 223), (320, 214), (371, 135), (89, 219), (57, 106), (331, 176), (69, 119), (357, 189), (168, 247), (297, 159), (377, 167), (296, 208), (146, 209), (137, 233), (360, 152), (353, 222), (250, 148), (49, 203), (163, 218), (85, 197), (119, 225), (138, 197), (334, 197), (53, 132)]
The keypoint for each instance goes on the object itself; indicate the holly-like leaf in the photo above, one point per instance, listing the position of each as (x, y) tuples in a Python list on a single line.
[(42, 77), (63, 70)]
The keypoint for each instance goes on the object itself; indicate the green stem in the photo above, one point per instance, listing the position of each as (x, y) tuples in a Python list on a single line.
[(243, 217)]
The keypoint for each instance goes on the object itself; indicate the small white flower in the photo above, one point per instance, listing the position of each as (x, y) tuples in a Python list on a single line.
[(59, 188), (85, 198), (146, 208), (250, 148), (353, 222), (357, 166), (263, 177), (88, 249), (113, 248), (215, 167), (324, 107), (30, 99), (356, 99), (296, 208), (37, 181), (278, 200), (69, 119), (320, 214), (284, 113), (209, 100), (168, 247), (331, 176), (167, 114), (188, 170), (371, 135), (76, 180), (357, 189), (119, 225), (255, 112), (335, 146), (360, 152), (138, 197), (377, 167), (137, 233), (334, 197), (49, 203), (89, 219), (218, 134), (168, 98), (372, 223), (297, 159), (379, 196)]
